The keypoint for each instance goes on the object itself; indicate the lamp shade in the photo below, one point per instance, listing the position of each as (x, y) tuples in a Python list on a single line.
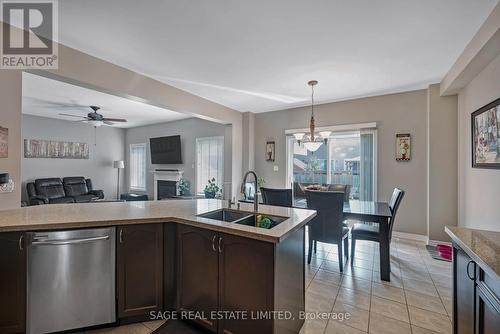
[(119, 164), (312, 146)]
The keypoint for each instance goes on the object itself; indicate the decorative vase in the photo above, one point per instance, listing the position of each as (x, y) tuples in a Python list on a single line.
[(209, 194)]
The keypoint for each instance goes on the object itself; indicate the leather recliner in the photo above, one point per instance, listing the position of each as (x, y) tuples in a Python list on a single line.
[(81, 190), (55, 190)]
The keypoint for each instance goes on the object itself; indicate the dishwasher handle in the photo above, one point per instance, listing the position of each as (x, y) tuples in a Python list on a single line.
[(68, 241)]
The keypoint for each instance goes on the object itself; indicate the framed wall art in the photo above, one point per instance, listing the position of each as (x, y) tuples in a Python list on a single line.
[(4, 142), (403, 147), (36, 148), (485, 126), (270, 151)]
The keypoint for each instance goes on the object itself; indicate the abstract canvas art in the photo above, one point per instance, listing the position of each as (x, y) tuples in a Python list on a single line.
[(36, 148), (486, 136), (4, 142)]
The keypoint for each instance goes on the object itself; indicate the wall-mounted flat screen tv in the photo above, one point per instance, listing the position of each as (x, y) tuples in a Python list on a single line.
[(166, 150)]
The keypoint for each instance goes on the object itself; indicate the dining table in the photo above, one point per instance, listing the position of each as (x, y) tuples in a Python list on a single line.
[(369, 212)]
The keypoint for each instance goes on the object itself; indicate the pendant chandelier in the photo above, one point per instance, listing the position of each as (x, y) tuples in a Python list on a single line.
[(312, 141)]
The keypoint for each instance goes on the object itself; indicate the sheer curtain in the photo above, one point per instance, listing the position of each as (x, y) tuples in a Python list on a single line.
[(209, 161), (367, 184), (138, 166)]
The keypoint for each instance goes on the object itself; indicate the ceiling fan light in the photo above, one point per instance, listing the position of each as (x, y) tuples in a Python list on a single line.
[(96, 124), (312, 146)]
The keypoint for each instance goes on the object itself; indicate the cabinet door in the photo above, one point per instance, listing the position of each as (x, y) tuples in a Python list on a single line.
[(246, 281), (487, 312), (12, 283), (140, 269), (464, 292), (197, 270)]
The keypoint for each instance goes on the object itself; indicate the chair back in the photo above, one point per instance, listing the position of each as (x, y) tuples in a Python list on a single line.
[(278, 197), (327, 225), (52, 188), (345, 188), (75, 186), (396, 198)]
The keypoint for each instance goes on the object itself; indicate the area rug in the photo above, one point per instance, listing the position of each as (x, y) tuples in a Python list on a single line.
[(442, 256)]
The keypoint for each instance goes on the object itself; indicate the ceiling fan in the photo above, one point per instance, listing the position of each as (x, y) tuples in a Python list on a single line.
[(95, 119)]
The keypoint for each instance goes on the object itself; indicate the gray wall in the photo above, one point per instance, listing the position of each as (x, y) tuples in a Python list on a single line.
[(395, 113), (10, 117), (442, 159), (99, 167), (189, 130), (479, 189)]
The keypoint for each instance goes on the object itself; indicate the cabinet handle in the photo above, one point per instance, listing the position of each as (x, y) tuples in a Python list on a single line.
[(121, 236), (472, 278), (213, 243), (21, 239), (220, 245)]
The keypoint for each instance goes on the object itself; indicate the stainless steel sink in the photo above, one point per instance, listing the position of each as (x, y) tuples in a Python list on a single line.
[(225, 215), (252, 220), (240, 217)]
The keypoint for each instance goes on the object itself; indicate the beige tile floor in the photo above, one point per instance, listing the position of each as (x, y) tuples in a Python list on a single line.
[(417, 300)]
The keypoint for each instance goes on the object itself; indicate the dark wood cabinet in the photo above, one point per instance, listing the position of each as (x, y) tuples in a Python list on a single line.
[(12, 283), (476, 305), (197, 274), (221, 272), (487, 311), (139, 270), (246, 282), (464, 292)]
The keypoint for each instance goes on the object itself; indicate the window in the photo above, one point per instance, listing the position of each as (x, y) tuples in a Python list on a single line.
[(138, 167), (348, 158), (209, 161)]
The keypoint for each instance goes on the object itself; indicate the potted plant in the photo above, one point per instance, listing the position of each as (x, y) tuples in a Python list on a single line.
[(211, 189), (183, 185)]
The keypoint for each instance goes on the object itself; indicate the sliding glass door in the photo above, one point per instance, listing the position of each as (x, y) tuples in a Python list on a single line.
[(348, 158)]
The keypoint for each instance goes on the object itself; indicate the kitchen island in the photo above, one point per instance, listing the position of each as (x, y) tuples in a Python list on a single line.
[(476, 280), (170, 256)]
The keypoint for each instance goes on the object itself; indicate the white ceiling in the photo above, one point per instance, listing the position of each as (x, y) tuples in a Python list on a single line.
[(48, 98), (258, 55)]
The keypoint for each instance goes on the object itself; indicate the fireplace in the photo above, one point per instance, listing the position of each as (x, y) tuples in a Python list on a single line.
[(165, 183), (166, 189)]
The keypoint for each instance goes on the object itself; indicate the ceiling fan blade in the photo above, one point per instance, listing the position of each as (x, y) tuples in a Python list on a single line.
[(108, 123), (54, 104), (121, 120), (73, 115)]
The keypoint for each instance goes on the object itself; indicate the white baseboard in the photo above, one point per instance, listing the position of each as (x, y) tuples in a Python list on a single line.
[(411, 236), (419, 237), (437, 242)]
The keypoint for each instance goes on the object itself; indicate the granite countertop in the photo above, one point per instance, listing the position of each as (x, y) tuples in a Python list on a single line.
[(481, 245), (66, 216)]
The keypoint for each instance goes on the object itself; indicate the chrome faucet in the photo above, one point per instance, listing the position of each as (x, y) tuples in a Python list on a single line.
[(256, 196)]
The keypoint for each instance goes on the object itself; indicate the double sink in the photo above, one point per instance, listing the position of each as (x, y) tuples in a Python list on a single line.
[(241, 217)]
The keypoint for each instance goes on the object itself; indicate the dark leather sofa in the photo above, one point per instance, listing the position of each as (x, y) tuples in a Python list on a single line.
[(68, 190)]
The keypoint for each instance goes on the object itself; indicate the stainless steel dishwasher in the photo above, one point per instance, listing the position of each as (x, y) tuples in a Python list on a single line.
[(71, 279)]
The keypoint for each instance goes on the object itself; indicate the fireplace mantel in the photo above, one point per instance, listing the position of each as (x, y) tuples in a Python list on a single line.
[(164, 175)]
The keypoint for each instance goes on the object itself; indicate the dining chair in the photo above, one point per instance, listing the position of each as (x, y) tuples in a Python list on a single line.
[(370, 232), (278, 197), (328, 225), (345, 188)]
